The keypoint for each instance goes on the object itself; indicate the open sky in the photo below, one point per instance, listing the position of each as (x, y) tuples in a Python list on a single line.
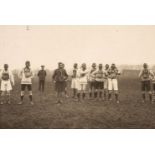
[(101, 44)]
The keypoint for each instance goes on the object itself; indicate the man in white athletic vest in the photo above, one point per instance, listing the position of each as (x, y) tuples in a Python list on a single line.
[(83, 81), (7, 81), (75, 80), (26, 76)]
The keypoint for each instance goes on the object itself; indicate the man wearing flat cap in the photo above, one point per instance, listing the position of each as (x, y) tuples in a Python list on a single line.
[(42, 76)]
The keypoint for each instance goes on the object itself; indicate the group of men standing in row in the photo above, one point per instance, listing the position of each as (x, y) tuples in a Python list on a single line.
[(100, 82)]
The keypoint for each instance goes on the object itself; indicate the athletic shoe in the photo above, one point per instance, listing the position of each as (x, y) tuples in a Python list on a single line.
[(66, 96), (117, 101), (60, 101), (20, 102), (152, 102), (110, 99), (31, 103)]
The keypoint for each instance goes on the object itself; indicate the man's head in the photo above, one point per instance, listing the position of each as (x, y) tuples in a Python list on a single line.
[(75, 65), (100, 66), (94, 65), (145, 65), (113, 66), (83, 66), (106, 66), (6, 66), (27, 64), (60, 65), (42, 67)]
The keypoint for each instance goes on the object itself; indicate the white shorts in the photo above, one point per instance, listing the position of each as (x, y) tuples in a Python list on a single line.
[(83, 83), (75, 83), (106, 84), (82, 87), (83, 80), (6, 85), (112, 84)]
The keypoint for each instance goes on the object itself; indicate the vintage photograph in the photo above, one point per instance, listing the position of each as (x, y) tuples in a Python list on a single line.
[(77, 77)]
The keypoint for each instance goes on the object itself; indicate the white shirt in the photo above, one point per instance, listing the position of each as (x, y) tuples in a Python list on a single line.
[(24, 79), (11, 77)]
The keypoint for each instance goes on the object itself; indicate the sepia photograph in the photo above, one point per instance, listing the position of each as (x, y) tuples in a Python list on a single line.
[(77, 77)]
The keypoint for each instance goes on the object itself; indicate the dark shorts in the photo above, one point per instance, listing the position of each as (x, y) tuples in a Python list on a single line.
[(99, 85), (24, 86), (146, 85), (92, 84), (60, 86), (65, 84)]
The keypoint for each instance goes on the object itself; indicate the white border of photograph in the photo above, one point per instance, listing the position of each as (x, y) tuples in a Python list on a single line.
[(81, 12)]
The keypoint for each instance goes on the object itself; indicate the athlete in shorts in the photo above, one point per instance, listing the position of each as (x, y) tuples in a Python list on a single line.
[(75, 80), (7, 81), (99, 78), (145, 76), (66, 85), (59, 78), (26, 76), (92, 82), (106, 81), (83, 81), (113, 82)]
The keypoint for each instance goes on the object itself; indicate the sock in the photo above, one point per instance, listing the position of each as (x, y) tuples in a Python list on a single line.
[(100, 94), (30, 96), (90, 94), (116, 96), (83, 95), (143, 96), (95, 94), (21, 97), (78, 95), (104, 94), (150, 97), (109, 96)]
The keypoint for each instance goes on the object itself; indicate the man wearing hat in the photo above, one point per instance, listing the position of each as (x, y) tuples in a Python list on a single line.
[(42, 76), (60, 77)]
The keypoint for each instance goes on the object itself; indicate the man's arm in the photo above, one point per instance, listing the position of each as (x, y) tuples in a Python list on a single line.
[(140, 74), (53, 76), (20, 74), (32, 74), (12, 78), (66, 74), (38, 73), (151, 74)]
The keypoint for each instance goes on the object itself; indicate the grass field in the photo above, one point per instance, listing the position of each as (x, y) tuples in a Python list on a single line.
[(45, 113)]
